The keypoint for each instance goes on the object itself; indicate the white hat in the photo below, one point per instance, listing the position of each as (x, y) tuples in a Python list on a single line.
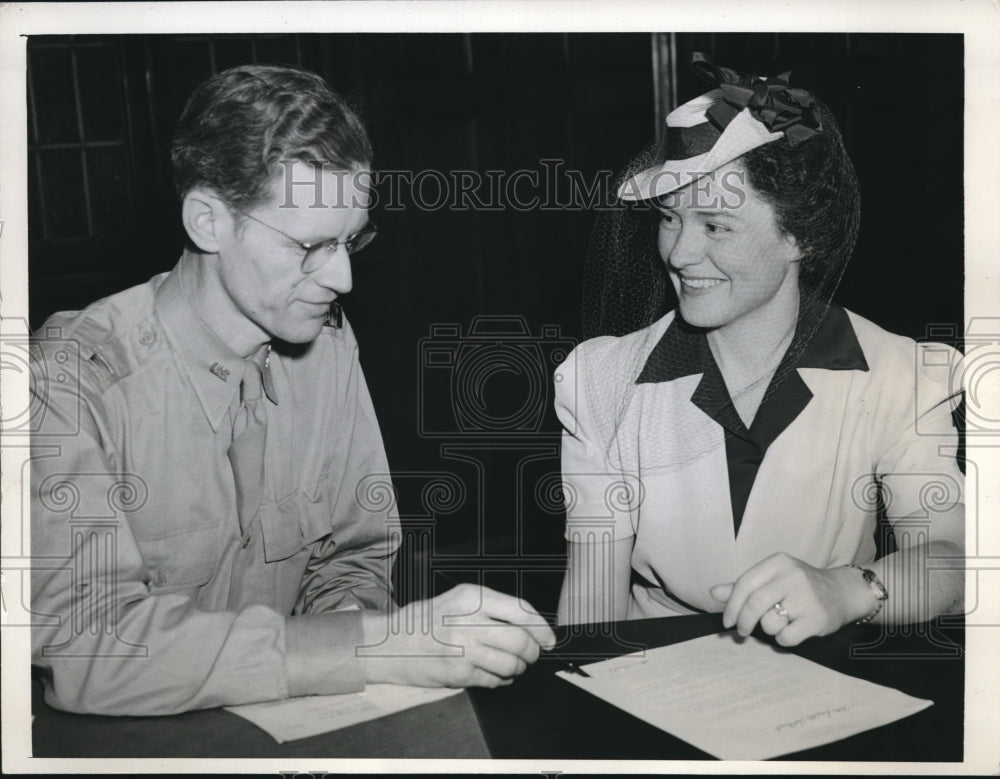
[(722, 125)]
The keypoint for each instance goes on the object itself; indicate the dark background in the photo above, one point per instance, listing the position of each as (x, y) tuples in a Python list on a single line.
[(468, 425)]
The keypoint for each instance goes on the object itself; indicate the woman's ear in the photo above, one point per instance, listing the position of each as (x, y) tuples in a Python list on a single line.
[(795, 253), (205, 216)]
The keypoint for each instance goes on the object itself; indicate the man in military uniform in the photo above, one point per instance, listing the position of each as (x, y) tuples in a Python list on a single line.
[(205, 486)]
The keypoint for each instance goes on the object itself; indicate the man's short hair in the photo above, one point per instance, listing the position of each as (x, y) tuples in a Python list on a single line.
[(238, 124)]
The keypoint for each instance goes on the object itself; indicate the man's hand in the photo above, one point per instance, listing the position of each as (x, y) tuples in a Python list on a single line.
[(467, 637), (792, 600)]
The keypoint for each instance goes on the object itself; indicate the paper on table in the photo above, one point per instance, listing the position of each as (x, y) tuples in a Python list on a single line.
[(743, 700), (294, 718)]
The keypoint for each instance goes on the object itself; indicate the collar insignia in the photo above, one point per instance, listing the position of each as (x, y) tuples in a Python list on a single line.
[(220, 371)]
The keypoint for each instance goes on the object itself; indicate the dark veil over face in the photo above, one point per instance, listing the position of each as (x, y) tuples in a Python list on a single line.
[(625, 284)]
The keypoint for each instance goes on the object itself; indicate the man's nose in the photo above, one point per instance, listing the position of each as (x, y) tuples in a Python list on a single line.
[(336, 273)]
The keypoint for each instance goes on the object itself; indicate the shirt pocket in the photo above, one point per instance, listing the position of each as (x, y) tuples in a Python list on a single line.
[(181, 561), (293, 523)]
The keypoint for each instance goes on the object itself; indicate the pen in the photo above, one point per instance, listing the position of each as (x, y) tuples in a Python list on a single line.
[(572, 667)]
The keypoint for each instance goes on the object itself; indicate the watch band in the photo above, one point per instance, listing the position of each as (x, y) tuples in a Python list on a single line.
[(878, 590)]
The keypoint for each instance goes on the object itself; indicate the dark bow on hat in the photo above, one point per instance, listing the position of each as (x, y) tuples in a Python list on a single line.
[(777, 106)]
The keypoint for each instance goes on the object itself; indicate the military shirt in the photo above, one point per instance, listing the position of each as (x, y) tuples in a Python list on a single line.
[(154, 599)]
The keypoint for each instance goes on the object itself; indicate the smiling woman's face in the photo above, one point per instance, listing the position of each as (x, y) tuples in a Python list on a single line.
[(728, 259)]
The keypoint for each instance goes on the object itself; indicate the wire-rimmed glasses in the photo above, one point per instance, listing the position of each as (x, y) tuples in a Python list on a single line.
[(318, 252)]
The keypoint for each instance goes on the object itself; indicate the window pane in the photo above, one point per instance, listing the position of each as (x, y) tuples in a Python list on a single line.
[(99, 71), (110, 190), (62, 186), (178, 67), (52, 91)]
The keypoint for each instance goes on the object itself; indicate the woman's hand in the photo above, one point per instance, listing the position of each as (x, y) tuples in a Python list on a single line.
[(792, 600), (468, 636)]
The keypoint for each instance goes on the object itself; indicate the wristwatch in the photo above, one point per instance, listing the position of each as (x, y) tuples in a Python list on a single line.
[(878, 590)]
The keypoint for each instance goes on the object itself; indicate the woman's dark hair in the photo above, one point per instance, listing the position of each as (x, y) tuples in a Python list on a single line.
[(814, 192), (238, 124), (812, 188)]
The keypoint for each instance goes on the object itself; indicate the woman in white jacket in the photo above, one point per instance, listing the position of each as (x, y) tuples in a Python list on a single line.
[(732, 456)]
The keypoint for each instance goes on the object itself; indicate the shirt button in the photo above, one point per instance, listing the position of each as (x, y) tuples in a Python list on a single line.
[(159, 580)]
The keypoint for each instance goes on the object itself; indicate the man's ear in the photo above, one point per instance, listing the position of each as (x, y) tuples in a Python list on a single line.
[(205, 219)]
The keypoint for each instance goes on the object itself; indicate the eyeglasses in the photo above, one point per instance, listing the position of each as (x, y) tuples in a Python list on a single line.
[(318, 252)]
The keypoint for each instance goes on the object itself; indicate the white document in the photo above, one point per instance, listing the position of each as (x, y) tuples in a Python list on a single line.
[(743, 700), (294, 718)]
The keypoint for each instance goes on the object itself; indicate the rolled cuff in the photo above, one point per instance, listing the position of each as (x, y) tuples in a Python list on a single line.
[(321, 653)]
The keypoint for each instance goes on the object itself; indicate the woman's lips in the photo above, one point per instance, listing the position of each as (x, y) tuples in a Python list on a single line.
[(698, 284)]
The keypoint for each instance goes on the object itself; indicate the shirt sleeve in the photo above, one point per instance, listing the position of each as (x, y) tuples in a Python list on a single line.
[(922, 485), (108, 644), (599, 496)]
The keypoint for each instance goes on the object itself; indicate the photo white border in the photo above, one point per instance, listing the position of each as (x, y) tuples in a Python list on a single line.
[(978, 20)]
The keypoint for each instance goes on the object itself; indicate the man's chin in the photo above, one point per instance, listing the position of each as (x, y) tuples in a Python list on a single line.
[(302, 333)]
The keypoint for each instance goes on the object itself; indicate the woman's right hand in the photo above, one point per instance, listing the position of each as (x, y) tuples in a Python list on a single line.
[(469, 636)]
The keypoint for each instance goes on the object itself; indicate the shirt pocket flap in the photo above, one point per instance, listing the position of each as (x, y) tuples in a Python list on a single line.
[(181, 561), (292, 524)]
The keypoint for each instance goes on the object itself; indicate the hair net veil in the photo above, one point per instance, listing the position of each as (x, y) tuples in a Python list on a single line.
[(627, 289)]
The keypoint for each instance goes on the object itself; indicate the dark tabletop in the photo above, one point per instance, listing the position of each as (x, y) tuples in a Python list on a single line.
[(543, 716), (556, 719)]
